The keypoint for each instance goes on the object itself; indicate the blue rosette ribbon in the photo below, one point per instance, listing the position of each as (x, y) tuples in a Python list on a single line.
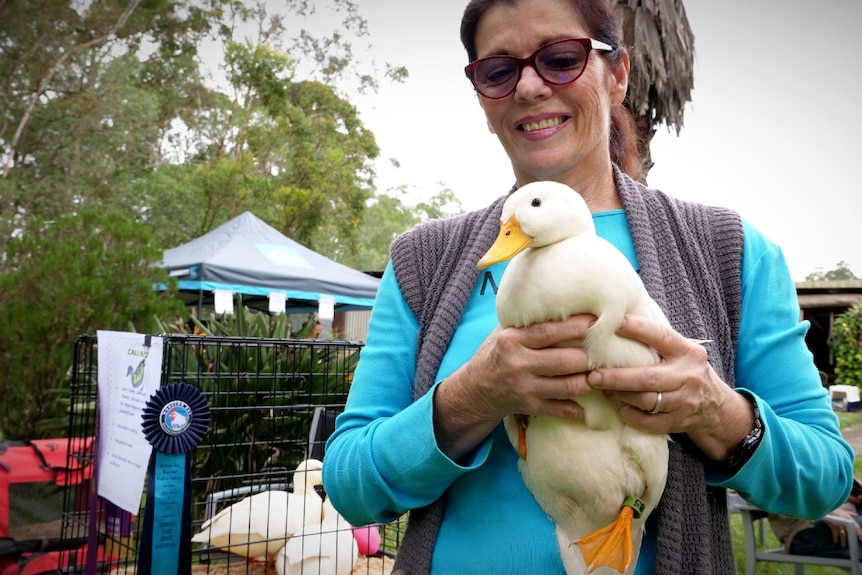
[(175, 419)]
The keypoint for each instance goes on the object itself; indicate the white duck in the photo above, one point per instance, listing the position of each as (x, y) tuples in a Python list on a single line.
[(323, 546), (598, 479), (259, 525)]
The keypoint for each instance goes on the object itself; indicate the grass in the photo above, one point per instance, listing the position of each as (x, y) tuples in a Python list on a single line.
[(846, 419)]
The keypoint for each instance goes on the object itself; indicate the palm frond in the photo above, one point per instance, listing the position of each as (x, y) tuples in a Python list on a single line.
[(661, 43)]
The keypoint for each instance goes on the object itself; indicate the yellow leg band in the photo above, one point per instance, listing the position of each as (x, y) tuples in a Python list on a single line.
[(636, 504)]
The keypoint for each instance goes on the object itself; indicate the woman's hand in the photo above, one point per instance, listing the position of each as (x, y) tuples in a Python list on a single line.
[(694, 399), (531, 370), (839, 530), (536, 369)]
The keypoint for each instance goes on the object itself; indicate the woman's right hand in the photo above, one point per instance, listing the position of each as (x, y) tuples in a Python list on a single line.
[(533, 370)]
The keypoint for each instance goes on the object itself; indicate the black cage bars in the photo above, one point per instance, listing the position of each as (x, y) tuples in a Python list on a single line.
[(272, 404)]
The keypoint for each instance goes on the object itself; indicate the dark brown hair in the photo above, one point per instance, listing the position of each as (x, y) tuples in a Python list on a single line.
[(599, 17)]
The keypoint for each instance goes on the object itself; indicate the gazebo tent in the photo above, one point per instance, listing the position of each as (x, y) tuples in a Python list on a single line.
[(249, 257)]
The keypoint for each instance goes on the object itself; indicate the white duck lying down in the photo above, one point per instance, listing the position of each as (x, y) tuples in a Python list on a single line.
[(598, 479), (325, 545), (259, 525)]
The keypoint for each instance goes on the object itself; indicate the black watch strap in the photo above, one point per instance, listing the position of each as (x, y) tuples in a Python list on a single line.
[(747, 446)]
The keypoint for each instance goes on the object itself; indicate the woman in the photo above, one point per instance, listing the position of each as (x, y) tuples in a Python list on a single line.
[(422, 427)]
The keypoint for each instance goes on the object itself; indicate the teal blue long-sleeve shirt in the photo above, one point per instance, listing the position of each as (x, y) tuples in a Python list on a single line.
[(383, 459)]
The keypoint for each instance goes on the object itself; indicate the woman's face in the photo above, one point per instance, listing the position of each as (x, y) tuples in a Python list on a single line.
[(550, 132)]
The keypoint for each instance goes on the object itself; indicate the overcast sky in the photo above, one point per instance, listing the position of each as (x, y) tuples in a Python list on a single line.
[(773, 129)]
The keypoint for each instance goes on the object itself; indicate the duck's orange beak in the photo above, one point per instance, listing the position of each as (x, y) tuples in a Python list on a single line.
[(510, 242)]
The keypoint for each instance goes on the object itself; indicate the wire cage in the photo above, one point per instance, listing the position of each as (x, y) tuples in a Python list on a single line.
[(272, 403)]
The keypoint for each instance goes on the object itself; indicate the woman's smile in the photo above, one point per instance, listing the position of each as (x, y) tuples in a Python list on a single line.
[(543, 125)]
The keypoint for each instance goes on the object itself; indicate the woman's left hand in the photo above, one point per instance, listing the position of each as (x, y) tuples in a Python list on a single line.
[(840, 536), (694, 399)]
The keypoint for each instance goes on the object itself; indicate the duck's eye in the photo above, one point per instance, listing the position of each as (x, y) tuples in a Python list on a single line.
[(536, 202)]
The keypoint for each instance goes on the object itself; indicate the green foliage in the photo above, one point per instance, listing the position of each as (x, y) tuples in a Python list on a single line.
[(841, 272), (86, 89), (91, 145), (292, 151), (110, 125), (847, 346), (108, 104), (443, 204), (385, 217), (60, 279)]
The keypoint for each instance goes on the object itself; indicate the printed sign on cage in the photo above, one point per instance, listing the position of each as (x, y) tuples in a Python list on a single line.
[(130, 368)]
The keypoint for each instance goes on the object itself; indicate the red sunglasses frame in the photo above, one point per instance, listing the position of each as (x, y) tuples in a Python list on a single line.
[(588, 45)]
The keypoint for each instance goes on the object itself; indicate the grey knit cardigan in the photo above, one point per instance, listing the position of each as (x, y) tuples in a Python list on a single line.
[(690, 261)]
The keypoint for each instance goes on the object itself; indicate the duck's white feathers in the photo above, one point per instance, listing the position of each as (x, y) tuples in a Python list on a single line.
[(326, 546), (259, 525), (580, 472)]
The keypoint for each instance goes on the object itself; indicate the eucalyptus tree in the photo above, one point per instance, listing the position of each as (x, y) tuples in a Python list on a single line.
[(117, 141), (282, 138), (86, 89), (289, 149), (112, 104), (386, 216)]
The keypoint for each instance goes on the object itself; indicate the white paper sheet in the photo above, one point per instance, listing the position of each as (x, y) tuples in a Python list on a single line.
[(129, 373)]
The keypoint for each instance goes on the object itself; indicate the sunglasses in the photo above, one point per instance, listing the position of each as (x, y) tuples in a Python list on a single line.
[(557, 63)]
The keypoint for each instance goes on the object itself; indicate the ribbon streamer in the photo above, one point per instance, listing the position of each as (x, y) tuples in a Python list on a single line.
[(175, 419)]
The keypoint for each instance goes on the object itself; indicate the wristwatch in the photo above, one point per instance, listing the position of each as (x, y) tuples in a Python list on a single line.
[(747, 446)]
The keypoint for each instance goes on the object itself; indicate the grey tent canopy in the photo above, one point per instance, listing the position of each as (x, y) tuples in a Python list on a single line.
[(249, 257)]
